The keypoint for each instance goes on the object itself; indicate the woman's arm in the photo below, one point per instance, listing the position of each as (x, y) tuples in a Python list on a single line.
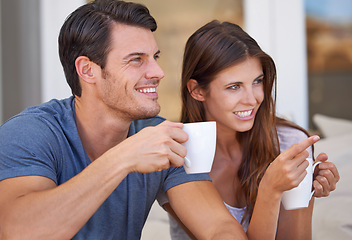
[(169, 209), (284, 173), (295, 224), (200, 208)]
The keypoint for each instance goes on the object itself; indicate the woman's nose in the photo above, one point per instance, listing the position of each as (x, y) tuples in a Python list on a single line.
[(249, 97)]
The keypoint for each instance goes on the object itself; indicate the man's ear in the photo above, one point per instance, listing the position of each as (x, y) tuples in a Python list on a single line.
[(196, 92), (85, 69)]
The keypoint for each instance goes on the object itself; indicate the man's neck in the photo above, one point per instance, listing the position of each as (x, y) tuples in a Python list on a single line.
[(98, 130)]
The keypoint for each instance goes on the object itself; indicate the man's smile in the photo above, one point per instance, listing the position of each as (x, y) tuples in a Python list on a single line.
[(146, 90)]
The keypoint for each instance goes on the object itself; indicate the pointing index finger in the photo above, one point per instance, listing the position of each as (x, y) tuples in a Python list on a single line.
[(296, 149)]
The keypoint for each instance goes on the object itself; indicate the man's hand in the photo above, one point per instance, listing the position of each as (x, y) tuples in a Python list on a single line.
[(153, 148)]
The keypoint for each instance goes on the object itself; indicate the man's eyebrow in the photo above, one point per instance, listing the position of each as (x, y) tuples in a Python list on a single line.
[(134, 54), (139, 54)]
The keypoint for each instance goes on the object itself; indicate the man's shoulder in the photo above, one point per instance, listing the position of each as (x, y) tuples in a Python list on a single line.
[(53, 107), (53, 113)]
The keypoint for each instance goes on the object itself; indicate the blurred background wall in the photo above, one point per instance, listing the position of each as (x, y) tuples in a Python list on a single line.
[(315, 83), (31, 72), (177, 20), (20, 48)]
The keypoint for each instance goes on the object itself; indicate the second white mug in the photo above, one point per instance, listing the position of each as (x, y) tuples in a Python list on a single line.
[(300, 196)]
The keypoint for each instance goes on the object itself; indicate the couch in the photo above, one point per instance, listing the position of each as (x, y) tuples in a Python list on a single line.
[(332, 216)]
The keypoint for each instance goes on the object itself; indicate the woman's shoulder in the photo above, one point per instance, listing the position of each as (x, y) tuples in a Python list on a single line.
[(289, 135)]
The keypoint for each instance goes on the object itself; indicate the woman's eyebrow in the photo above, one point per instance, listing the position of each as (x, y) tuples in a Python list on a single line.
[(234, 83), (260, 76)]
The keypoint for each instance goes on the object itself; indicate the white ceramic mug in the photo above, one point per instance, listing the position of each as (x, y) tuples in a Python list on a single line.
[(300, 196), (200, 146)]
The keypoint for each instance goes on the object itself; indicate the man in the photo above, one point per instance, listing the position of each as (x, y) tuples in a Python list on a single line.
[(91, 166), (68, 170)]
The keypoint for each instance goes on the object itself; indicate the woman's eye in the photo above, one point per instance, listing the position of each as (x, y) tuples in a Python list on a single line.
[(258, 81), (234, 87)]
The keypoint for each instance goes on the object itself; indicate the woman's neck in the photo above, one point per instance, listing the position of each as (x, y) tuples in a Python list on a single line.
[(224, 173), (227, 142)]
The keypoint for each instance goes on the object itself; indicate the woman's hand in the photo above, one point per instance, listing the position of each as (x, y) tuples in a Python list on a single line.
[(326, 176), (289, 168)]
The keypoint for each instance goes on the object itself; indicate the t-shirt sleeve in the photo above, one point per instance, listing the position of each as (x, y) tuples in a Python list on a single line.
[(27, 148), (178, 176)]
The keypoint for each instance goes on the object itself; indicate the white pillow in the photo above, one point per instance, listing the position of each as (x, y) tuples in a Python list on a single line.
[(330, 126)]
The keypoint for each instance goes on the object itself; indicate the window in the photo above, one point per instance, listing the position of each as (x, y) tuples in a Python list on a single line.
[(329, 52)]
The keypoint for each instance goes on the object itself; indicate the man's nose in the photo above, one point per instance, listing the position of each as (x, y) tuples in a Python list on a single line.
[(154, 71)]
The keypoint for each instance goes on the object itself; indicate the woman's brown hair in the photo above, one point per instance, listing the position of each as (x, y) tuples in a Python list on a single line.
[(211, 49)]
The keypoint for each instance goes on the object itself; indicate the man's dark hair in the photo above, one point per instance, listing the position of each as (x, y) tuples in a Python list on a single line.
[(86, 32)]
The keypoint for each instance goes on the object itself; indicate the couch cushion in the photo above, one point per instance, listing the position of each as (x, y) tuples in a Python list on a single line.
[(330, 126)]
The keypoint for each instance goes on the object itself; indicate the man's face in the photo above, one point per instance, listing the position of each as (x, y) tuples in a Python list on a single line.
[(129, 82)]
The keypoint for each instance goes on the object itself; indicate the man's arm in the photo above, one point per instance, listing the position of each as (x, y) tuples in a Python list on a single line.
[(200, 208), (35, 207)]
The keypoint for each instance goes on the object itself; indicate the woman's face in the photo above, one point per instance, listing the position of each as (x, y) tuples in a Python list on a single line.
[(235, 95)]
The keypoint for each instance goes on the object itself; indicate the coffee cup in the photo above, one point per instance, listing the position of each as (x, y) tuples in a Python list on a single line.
[(300, 196), (200, 146)]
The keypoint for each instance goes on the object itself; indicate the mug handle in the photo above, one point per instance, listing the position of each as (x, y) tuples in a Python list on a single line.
[(314, 165), (187, 162)]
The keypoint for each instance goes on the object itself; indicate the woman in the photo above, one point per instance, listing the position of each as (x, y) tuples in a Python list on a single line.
[(227, 78)]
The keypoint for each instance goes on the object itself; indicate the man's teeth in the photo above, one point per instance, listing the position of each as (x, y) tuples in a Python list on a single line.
[(147, 90), (244, 114)]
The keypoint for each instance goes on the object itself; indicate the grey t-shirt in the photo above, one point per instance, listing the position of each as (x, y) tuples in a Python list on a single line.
[(43, 140)]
